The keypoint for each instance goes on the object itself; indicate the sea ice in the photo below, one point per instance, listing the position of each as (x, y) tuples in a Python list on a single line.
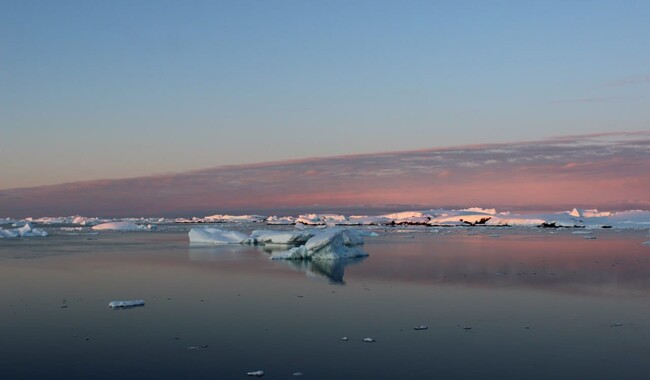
[(211, 235), (321, 219), (24, 231), (328, 244), (219, 218), (125, 304)]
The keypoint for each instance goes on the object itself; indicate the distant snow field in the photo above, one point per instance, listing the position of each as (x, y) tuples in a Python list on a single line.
[(469, 217)]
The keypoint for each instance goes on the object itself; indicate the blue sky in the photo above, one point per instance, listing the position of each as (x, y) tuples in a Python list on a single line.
[(115, 89)]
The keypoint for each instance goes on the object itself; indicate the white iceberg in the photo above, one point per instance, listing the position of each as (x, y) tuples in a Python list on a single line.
[(211, 235), (328, 244)]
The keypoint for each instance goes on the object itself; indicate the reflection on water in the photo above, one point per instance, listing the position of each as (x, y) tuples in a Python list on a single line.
[(330, 270), (539, 305)]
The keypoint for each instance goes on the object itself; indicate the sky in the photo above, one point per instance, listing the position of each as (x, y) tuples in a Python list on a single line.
[(116, 89), (603, 171)]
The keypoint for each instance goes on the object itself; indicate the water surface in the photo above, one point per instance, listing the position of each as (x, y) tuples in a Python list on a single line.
[(498, 303)]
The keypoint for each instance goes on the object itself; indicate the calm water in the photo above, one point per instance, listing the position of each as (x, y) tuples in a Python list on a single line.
[(521, 305)]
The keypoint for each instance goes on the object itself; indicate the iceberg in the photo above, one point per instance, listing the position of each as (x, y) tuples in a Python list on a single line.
[(211, 235), (328, 244)]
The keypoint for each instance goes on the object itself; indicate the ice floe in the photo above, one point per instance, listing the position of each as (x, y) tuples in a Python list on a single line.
[(26, 230), (219, 218), (125, 304)]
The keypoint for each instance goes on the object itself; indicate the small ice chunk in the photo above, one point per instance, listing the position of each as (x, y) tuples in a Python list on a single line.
[(345, 339), (368, 340), (646, 243), (590, 237), (297, 374), (258, 373), (421, 327), (125, 304)]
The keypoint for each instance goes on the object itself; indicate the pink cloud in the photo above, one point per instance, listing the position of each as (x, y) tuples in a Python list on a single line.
[(604, 170)]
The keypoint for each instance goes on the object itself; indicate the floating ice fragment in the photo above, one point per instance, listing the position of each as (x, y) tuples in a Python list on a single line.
[(297, 374), (590, 237), (421, 327), (259, 373), (368, 340), (125, 304), (345, 339), (618, 324), (116, 226), (646, 243)]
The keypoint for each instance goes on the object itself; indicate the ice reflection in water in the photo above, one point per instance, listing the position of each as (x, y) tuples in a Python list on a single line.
[(332, 271)]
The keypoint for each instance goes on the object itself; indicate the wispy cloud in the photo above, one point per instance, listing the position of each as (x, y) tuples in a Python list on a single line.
[(589, 100), (629, 81)]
